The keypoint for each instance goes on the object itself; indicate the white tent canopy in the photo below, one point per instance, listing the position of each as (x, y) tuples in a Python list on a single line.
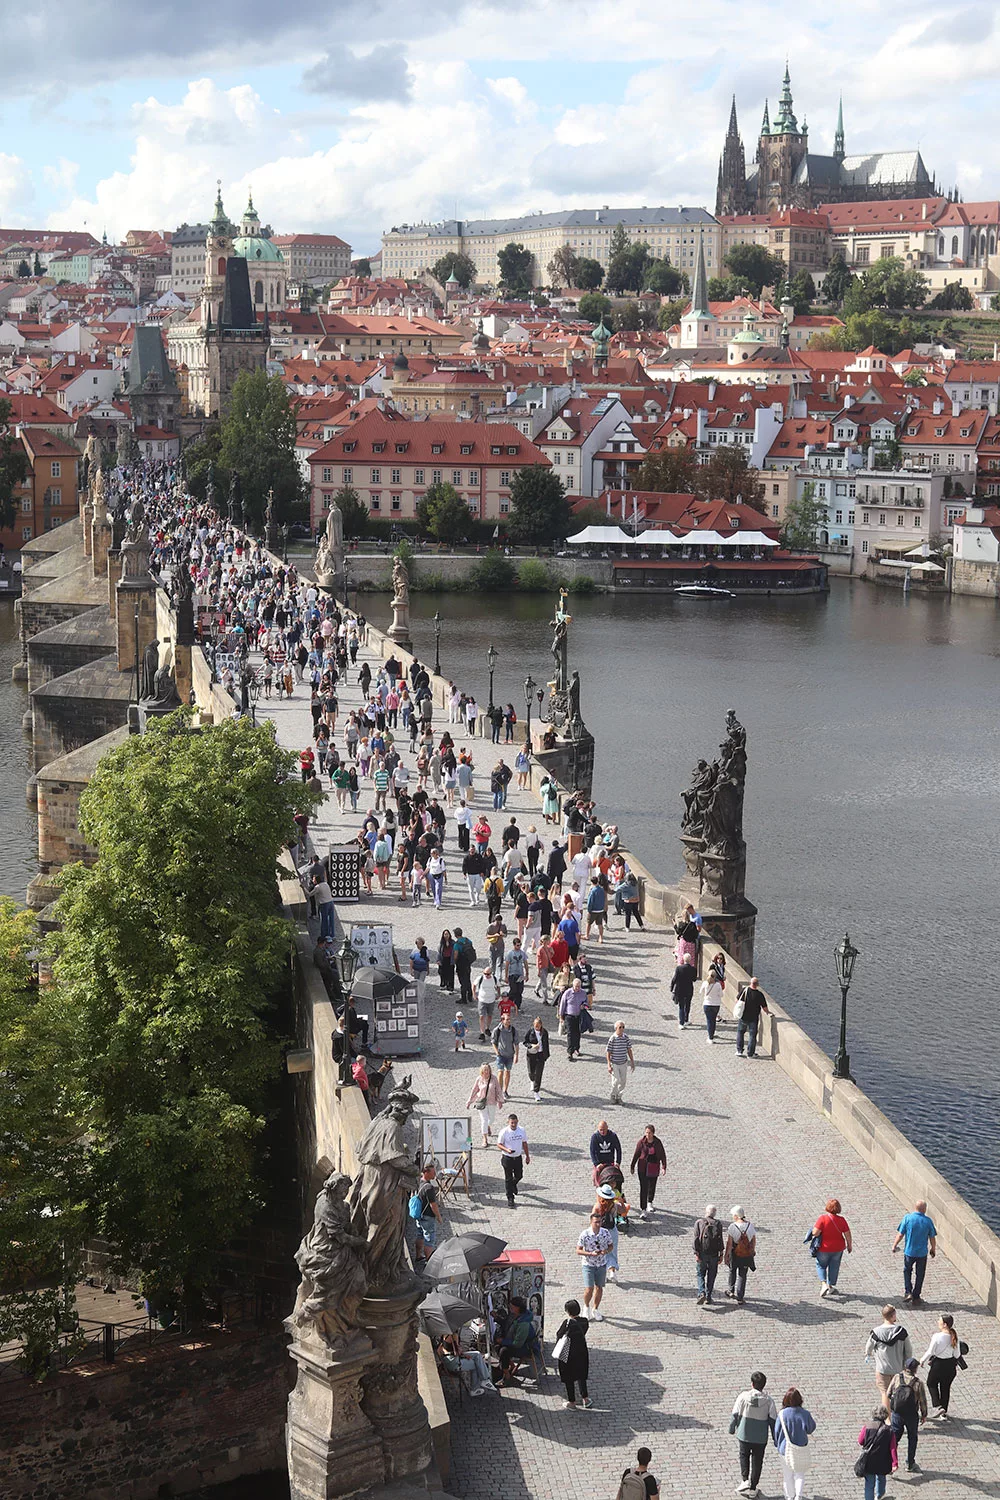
[(754, 539), (599, 536)]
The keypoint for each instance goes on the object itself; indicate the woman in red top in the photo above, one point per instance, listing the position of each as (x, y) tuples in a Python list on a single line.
[(834, 1238)]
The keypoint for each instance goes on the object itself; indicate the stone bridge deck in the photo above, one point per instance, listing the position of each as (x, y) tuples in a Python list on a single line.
[(664, 1371)]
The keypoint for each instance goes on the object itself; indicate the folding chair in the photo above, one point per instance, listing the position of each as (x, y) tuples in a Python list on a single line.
[(459, 1173)]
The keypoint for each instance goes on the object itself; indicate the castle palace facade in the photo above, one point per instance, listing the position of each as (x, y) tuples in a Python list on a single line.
[(786, 174)]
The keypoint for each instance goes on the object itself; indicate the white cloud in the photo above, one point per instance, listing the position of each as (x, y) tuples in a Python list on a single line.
[(16, 192)]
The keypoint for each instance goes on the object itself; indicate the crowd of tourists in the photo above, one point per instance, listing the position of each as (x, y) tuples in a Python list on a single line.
[(434, 827)]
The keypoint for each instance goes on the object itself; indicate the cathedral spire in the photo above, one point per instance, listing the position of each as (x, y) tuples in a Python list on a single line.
[(785, 122), (838, 140), (765, 127), (733, 127), (699, 290)]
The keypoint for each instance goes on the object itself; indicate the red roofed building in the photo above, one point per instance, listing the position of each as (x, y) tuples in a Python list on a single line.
[(391, 463), (34, 410), (49, 496)]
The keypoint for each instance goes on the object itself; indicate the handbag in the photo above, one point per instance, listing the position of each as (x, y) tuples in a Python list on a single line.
[(861, 1462), (738, 1009), (799, 1460), (560, 1349), (479, 1104)]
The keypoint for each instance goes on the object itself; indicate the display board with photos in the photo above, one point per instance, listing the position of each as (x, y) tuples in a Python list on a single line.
[(515, 1273), (398, 1024), (372, 942), (443, 1139)]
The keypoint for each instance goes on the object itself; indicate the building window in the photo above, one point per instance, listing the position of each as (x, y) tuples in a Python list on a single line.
[(861, 255), (376, 476), (375, 501), (887, 252), (348, 476), (474, 476), (327, 476), (56, 469), (504, 505), (26, 533), (775, 490), (774, 510), (864, 545), (505, 479), (900, 519), (26, 505), (395, 476), (571, 457), (456, 476), (839, 517), (395, 502), (850, 518), (866, 517), (435, 476), (418, 476)]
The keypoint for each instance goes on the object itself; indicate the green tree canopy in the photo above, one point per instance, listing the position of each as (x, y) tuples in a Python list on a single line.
[(628, 268), (202, 455), (23, 270), (800, 291), (672, 471), (886, 284), (589, 273), (362, 266), (837, 280), (728, 475), (563, 267), (953, 297), (754, 268), (42, 1222), (354, 511), (36, 269), (722, 288), (629, 319), (443, 513), (258, 440), (169, 953), (671, 313), (463, 267), (804, 516), (664, 278), (594, 306), (14, 466), (517, 267), (539, 510)]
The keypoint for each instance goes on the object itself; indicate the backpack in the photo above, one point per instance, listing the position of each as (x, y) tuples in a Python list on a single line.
[(416, 1206), (632, 1487), (711, 1238), (903, 1399)]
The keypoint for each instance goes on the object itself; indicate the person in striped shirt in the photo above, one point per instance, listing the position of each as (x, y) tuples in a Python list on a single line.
[(620, 1061), (380, 780)]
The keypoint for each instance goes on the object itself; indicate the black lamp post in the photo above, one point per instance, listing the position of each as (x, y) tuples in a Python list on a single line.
[(213, 631), (529, 693), (284, 541), (846, 956), (492, 657), (347, 961), (437, 643)]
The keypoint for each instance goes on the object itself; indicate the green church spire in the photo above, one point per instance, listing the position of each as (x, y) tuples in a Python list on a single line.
[(785, 122), (699, 291), (765, 128), (838, 140)]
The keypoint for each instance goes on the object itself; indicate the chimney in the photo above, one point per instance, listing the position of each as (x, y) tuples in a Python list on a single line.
[(923, 211), (848, 400), (956, 407), (938, 406)]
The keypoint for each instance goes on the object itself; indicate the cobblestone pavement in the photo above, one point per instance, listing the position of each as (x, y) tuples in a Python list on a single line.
[(664, 1372)]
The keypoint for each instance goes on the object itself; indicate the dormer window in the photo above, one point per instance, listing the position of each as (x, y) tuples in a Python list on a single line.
[(513, 448), (378, 447), (401, 447), (939, 432), (466, 447), (437, 447), (349, 447)]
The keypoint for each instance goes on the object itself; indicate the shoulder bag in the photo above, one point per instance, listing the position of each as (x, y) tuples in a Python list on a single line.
[(560, 1349), (799, 1460)]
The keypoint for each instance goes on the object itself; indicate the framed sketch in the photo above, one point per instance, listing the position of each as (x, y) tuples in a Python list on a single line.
[(435, 1138), (458, 1134), (412, 1012), (383, 1007), (413, 1031)]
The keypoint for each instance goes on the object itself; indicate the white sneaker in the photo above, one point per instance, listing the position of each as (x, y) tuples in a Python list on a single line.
[(744, 1488), (538, 1098), (711, 1041), (597, 1316)]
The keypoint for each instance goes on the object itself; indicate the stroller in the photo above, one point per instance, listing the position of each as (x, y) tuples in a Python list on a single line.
[(612, 1176)]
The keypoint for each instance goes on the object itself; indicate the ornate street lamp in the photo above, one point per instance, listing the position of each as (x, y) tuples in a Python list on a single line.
[(284, 541), (529, 693), (347, 961), (540, 695), (437, 643), (492, 657), (846, 956)]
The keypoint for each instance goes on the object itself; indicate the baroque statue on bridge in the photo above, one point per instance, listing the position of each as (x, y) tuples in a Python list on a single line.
[(331, 1259), (713, 803), (380, 1194)]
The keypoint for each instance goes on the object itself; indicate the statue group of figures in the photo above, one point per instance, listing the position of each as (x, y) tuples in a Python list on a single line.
[(564, 689), (355, 1247), (713, 803), (330, 552)]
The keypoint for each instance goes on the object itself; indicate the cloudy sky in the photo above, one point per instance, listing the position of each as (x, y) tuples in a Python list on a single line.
[(353, 115)]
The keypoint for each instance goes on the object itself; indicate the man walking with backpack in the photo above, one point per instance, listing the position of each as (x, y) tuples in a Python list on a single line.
[(638, 1483), (908, 1409), (709, 1244), (465, 957)]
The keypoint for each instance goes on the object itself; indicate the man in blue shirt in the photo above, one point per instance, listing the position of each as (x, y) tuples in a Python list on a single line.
[(917, 1235)]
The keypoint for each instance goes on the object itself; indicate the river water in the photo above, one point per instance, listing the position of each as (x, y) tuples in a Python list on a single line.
[(871, 802)]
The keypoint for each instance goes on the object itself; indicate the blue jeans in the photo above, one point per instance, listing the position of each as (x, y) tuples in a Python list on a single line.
[(874, 1485), (707, 1270), (828, 1265), (910, 1424), (428, 1230), (914, 1269), (747, 1029), (498, 800), (327, 912)]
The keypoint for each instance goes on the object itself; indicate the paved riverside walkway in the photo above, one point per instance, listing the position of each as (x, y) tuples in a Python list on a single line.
[(664, 1372)]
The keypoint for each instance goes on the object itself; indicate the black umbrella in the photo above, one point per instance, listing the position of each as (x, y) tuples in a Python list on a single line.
[(463, 1253), (373, 983), (443, 1312)]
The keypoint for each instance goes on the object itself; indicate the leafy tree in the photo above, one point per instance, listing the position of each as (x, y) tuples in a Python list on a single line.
[(594, 306), (671, 313), (354, 511), (803, 518), (837, 279), (23, 270), (889, 455), (589, 273), (721, 288), (629, 320), (953, 296), (258, 440), (800, 291), (42, 1223), (887, 284), (665, 279), (754, 267), (463, 267), (628, 265), (871, 327), (563, 267), (14, 466), (672, 471), (443, 513), (833, 341), (202, 455), (914, 377), (170, 950), (533, 576), (729, 475), (493, 574), (539, 510), (36, 269), (517, 267), (362, 266)]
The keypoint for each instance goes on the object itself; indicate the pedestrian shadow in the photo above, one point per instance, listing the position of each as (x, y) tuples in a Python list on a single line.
[(961, 1481), (702, 1114), (803, 1314), (674, 1330)]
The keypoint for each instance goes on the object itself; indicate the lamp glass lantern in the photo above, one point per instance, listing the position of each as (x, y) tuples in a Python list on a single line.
[(347, 960), (492, 657), (845, 956)]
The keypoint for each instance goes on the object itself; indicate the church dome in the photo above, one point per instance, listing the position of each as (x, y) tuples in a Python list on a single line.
[(256, 248), (401, 362)]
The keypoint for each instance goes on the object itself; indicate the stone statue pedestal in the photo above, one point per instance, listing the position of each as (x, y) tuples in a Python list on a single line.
[(390, 1399), (399, 630), (714, 885), (333, 1449)]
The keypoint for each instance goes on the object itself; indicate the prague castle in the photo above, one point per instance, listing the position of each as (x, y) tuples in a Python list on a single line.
[(786, 174)]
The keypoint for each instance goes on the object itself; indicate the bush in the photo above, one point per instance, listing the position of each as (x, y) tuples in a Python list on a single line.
[(533, 576), (431, 582), (584, 584), (494, 573)]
